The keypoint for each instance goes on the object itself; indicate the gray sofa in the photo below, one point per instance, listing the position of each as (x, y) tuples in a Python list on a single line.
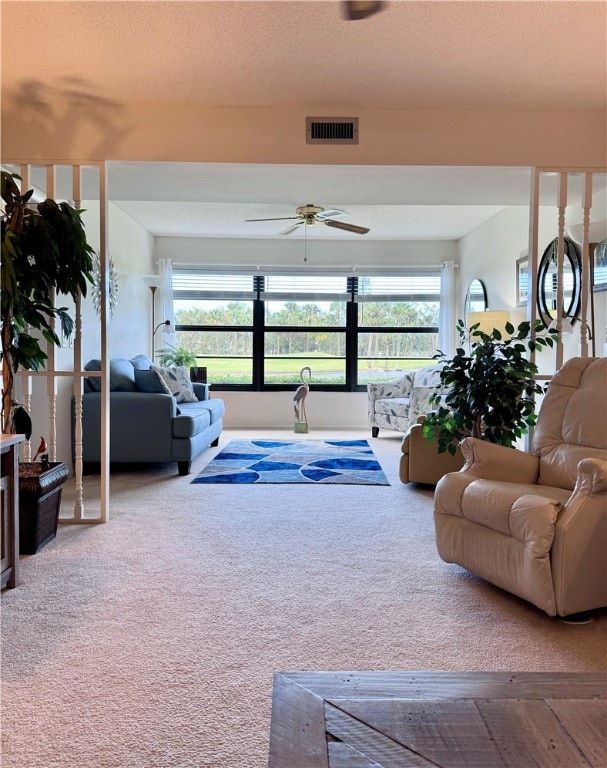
[(146, 423)]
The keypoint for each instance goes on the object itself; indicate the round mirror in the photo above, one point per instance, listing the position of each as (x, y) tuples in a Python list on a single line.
[(546, 282), (476, 297)]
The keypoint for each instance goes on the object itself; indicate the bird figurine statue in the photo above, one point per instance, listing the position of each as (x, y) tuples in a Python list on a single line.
[(299, 400), (41, 448)]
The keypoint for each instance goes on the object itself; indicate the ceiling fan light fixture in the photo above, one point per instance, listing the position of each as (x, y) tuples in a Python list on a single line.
[(309, 214)]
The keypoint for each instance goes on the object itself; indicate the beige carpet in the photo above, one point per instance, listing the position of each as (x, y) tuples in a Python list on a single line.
[(151, 641)]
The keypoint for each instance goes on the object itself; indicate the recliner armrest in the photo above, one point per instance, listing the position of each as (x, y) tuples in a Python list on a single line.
[(597, 470), (491, 461)]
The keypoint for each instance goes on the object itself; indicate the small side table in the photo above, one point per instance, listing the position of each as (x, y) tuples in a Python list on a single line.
[(9, 507)]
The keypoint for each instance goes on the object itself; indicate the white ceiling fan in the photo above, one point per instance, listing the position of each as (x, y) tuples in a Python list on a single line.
[(310, 214)]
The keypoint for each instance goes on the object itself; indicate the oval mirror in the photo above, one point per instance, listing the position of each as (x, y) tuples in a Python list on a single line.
[(476, 297), (547, 282)]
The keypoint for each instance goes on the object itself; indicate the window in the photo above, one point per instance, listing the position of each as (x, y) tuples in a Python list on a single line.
[(258, 331), (214, 319), (397, 324), (304, 324)]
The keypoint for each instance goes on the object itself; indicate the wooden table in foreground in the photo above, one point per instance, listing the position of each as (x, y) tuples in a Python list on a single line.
[(438, 720)]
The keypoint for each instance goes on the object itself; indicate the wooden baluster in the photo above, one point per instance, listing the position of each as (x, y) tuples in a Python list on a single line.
[(78, 383), (51, 385), (78, 388), (562, 205), (586, 266), (26, 377), (27, 403)]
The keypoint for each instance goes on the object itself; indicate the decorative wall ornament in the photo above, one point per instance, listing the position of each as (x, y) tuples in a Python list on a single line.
[(476, 297), (98, 282), (547, 283)]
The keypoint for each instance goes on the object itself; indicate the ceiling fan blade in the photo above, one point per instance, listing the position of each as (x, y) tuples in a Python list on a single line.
[(331, 213), (347, 227), (282, 218), (361, 9), (290, 229)]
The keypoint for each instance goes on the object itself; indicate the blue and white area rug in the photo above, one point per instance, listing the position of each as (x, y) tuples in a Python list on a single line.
[(295, 461)]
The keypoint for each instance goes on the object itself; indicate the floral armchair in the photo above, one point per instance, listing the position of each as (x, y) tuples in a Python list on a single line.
[(398, 403)]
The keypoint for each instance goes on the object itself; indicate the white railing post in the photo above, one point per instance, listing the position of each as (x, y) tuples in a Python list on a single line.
[(560, 261), (586, 266)]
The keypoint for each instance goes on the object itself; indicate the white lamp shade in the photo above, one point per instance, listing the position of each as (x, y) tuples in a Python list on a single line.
[(492, 318), (167, 327), (153, 281)]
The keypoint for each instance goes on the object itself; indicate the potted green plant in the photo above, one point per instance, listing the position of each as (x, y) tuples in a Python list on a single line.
[(179, 356), (44, 254), (489, 391)]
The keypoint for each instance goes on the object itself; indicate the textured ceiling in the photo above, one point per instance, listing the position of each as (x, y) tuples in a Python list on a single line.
[(214, 199), (458, 54), (413, 55)]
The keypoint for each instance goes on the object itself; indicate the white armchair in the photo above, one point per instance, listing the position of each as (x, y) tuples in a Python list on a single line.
[(535, 523), (398, 403)]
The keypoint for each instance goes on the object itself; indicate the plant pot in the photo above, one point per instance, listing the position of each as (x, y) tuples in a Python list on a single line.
[(301, 427), (40, 487), (198, 374)]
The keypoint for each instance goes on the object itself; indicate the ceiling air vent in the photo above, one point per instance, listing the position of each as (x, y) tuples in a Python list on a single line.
[(331, 130)]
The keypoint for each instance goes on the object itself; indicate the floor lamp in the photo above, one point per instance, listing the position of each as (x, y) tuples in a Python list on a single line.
[(153, 282)]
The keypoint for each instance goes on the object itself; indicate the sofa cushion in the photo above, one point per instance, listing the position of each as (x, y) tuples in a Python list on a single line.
[(394, 406), (215, 407), (197, 416), (141, 362), (177, 380), (191, 421), (122, 375), (149, 381), (92, 384)]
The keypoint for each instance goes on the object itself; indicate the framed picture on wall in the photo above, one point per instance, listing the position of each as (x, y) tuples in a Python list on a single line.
[(599, 267), (522, 280)]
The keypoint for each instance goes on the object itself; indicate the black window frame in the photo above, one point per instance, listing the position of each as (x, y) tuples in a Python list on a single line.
[(351, 329)]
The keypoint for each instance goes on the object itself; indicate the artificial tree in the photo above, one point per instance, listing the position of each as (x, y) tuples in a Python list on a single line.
[(489, 391), (44, 253)]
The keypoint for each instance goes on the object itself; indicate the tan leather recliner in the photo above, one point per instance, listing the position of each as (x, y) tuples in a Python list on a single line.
[(421, 462), (535, 523)]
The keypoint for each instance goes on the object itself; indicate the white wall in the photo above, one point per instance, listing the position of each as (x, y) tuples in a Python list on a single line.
[(325, 410), (490, 253), (283, 252), (131, 247), (181, 132)]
